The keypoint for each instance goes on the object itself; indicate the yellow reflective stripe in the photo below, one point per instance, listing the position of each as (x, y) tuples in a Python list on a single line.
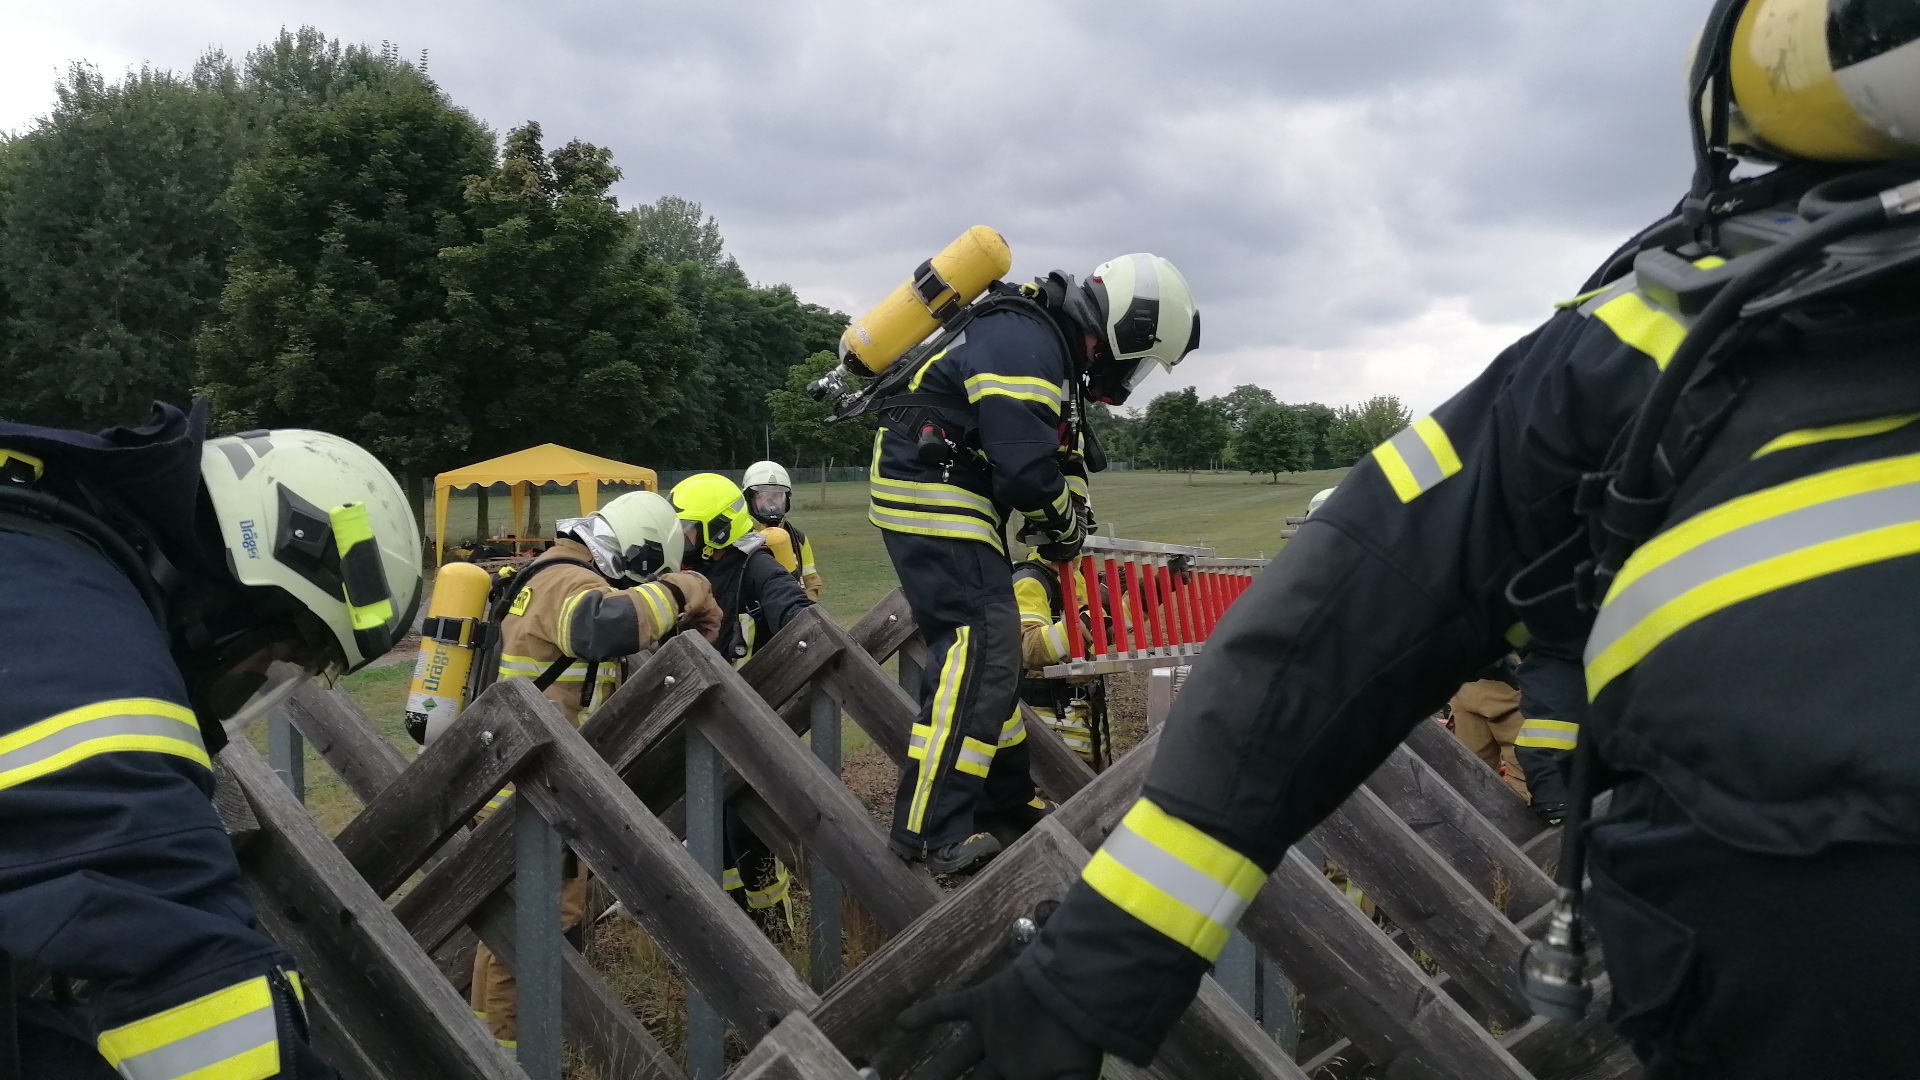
[(975, 758), (562, 635), (806, 558), (1549, 734), (923, 523), (1417, 459), (940, 727), (1078, 486), (1518, 635), (932, 360), (1856, 430), (229, 1034), (1174, 878), (122, 725), (1020, 387), (1643, 326), (1056, 636), (1014, 731), (1752, 545), (1576, 301), (527, 667), (730, 879), (915, 491), (659, 604)]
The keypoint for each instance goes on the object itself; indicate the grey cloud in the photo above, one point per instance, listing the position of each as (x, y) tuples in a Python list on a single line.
[(1347, 185)]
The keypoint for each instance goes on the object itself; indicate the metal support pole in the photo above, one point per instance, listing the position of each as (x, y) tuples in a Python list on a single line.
[(1159, 696), (287, 754), (1276, 1009), (822, 887), (706, 829), (537, 941), (909, 676), (1236, 974)]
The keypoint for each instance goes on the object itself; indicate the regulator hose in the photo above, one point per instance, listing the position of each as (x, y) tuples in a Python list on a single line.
[(1634, 485)]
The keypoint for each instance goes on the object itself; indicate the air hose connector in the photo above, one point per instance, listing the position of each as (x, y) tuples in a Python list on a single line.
[(1553, 970)]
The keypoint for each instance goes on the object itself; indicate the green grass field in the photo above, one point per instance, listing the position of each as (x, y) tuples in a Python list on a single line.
[(1239, 514)]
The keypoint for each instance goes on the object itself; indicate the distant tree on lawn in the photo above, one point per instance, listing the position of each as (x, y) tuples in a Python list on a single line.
[(1357, 429), (1274, 439), (1185, 432), (800, 423)]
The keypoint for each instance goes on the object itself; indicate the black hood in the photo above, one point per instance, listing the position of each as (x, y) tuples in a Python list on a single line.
[(151, 472)]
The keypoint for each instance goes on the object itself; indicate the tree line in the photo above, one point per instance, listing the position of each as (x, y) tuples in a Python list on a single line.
[(317, 235), (1248, 428)]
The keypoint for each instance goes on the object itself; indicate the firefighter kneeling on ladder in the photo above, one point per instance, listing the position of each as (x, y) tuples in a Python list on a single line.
[(757, 597), (1076, 709), (609, 587)]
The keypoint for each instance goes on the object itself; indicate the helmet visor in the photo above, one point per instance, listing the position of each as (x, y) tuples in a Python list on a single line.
[(768, 503), (1142, 368), (694, 535), (258, 671)]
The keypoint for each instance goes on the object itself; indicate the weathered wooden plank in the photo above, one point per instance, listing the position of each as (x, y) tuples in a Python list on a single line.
[(339, 732), (1091, 815), (1588, 1050), (796, 1050), (706, 935), (330, 1036), (236, 814), (1452, 826), (885, 627), (826, 818), (597, 1022), (1440, 910), (1470, 777), (434, 798), (443, 899), (1373, 992), (381, 985)]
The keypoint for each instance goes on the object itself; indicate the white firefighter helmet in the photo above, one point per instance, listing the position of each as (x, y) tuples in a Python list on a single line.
[(1827, 80), (646, 534), (1147, 315), (769, 491), (324, 525), (1319, 499)]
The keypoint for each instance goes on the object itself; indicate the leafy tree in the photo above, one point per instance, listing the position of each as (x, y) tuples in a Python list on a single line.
[(677, 230), (567, 332), (1122, 438), (1239, 404), (115, 245), (1357, 429), (334, 301), (1319, 420), (1184, 431), (800, 423), (1274, 439)]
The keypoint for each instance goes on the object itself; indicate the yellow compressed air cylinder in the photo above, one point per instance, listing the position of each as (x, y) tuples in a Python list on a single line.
[(945, 283), (780, 543), (446, 649)]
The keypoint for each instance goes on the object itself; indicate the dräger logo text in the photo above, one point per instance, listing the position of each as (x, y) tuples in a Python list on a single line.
[(250, 539)]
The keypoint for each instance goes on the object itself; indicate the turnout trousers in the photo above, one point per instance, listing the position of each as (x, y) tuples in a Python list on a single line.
[(1730, 964), (968, 751)]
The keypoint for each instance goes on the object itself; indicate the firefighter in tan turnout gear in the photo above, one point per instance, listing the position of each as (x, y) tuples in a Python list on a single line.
[(609, 588)]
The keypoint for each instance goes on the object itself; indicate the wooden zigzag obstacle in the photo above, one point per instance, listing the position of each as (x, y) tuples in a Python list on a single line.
[(1434, 837)]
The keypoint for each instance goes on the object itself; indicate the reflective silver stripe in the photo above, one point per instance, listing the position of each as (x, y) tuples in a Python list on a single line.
[(917, 742), (919, 494), (1217, 902), (1549, 734), (931, 524), (1426, 468), (1013, 731), (182, 1057), (1766, 538), (1025, 388), (1146, 277), (17, 766), (975, 757)]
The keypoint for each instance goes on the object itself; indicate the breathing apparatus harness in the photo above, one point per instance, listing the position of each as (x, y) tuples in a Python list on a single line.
[(1051, 301), (1772, 262)]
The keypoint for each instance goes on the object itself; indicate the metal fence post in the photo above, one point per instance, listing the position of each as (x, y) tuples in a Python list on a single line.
[(287, 754), (1235, 972), (537, 941), (1276, 1009), (909, 675), (822, 887), (706, 827)]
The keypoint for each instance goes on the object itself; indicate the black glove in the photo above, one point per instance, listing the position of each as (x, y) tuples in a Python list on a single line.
[(1062, 538), (1009, 1035)]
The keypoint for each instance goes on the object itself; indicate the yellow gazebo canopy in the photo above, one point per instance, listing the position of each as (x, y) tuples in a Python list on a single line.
[(546, 463)]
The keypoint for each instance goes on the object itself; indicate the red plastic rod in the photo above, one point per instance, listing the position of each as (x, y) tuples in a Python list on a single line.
[(1070, 604), (1138, 608), (1156, 611), (1117, 600), (1095, 609)]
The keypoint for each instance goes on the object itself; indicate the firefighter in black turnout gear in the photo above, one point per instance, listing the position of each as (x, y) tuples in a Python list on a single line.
[(986, 423), (154, 584), (1707, 468), (757, 598)]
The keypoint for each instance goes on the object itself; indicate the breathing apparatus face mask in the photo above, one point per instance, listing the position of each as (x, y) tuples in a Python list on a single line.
[(643, 562), (248, 674), (768, 503)]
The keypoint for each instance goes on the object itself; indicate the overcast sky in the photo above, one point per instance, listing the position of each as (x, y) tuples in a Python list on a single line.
[(1368, 196)]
